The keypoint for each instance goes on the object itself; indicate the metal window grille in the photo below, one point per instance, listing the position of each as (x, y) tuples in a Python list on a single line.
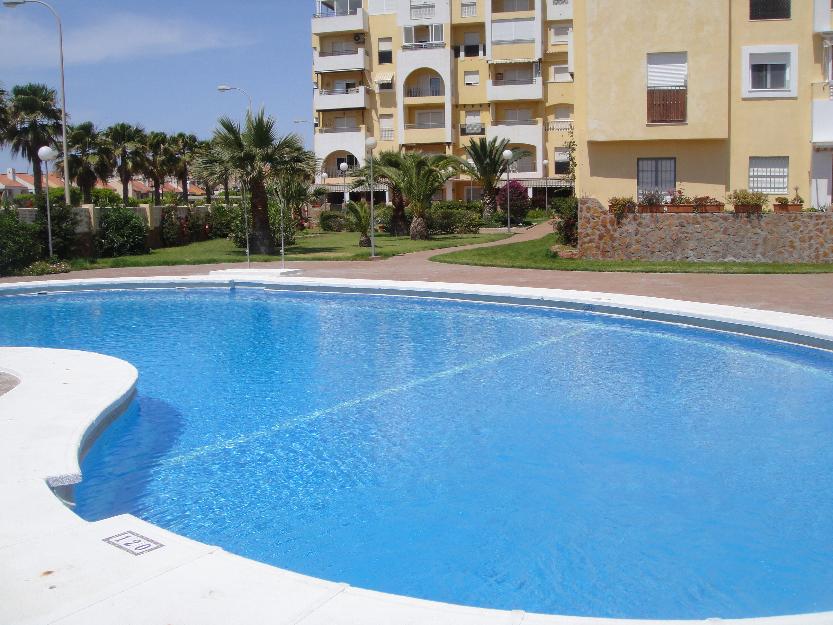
[(769, 174), (468, 9), (770, 9), (656, 174)]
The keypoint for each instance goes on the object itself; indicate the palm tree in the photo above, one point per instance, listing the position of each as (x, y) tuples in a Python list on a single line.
[(487, 167), (91, 158), (158, 162), (386, 169), (256, 154), (360, 215), (420, 178), (210, 168), (35, 121), (5, 116), (184, 147), (128, 146), (295, 192)]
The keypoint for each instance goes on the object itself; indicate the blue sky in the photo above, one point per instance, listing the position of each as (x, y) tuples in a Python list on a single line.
[(157, 63)]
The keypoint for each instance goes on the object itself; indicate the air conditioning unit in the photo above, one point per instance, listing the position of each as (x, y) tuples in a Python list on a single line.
[(358, 38)]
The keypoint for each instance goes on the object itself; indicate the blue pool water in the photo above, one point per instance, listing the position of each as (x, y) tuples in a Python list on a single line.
[(487, 455)]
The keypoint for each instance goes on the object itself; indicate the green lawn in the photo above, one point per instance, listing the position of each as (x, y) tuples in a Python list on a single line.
[(323, 246), (537, 255)]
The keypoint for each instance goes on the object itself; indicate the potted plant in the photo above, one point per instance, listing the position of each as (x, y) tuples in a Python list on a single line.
[(747, 202), (786, 205), (621, 206), (652, 202), (707, 204), (680, 203)]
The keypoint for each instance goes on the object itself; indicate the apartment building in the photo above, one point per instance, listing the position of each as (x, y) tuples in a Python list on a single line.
[(709, 95)]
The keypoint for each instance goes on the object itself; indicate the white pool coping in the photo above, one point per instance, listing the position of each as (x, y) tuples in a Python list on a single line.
[(56, 567)]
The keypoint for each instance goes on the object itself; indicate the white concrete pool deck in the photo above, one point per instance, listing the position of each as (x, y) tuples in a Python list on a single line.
[(58, 568)]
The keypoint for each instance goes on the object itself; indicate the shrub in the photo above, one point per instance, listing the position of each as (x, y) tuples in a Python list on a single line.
[(652, 198), (566, 210), (19, 243), (170, 198), (105, 198), (519, 202), (121, 232), (621, 206), (288, 223), (173, 231), (706, 200), (537, 214), (332, 221), (64, 224), (46, 268), (742, 197), (454, 218), (221, 220), (679, 198), (384, 217), (197, 226)]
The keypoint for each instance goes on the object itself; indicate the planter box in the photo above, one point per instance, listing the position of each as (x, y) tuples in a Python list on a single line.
[(711, 208), (788, 208), (748, 209), (680, 208), (650, 210), (627, 212)]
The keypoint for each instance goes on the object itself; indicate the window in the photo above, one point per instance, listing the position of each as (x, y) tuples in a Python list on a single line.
[(656, 174), (770, 72), (345, 123), (422, 10), (769, 9), (667, 87), (560, 34), (386, 126), (516, 117), (384, 82), (430, 119), (351, 161), (516, 5), (472, 78), (471, 44), (385, 48), (769, 174), (468, 8), (561, 73), (523, 75), (562, 161), (430, 35), (473, 194)]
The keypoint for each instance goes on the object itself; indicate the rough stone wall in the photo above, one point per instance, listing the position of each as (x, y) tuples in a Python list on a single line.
[(712, 237)]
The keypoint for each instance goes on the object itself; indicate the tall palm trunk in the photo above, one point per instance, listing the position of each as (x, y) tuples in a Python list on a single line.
[(489, 204), (87, 192), (125, 190), (227, 192), (157, 193), (399, 220), (262, 242), (37, 174), (184, 182)]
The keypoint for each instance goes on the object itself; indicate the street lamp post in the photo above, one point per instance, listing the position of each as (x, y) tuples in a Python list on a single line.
[(227, 88), (16, 3), (371, 144), (470, 161), (47, 155), (546, 165), (507, 156), (343, 169)]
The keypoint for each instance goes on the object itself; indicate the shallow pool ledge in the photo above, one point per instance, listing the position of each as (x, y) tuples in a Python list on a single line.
[(57, 568)]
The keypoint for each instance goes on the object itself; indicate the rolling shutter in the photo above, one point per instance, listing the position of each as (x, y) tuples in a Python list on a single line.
[(668, 69)]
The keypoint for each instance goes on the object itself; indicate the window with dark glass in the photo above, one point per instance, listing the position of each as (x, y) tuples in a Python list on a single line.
[(770, 9), (656, 175)]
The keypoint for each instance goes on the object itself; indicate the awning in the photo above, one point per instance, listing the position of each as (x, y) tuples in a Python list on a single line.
[(511, 61), (383, 78), (540, 183)]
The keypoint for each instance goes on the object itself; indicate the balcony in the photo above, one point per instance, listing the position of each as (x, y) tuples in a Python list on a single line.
[(823, 121), (330, 141), (340, 99), (468, 9), (823, 16), (330, 18), (472, 130), (422, 10), (560, 125), (424, 45), (559, 9), (426, 132), (510, 90), (344, 61), (528, 132), (667, 105)]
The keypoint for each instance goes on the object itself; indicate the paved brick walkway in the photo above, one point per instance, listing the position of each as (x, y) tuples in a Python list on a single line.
[(804, 294)]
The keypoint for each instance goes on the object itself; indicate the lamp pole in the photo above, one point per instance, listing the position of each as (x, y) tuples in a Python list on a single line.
[(47, 155), (546, 165), (371, 144), (11, 4), (507, 156), (227, 88), (343, 169)]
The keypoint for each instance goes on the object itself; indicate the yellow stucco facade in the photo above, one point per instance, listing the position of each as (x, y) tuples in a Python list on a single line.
[(707, 95)]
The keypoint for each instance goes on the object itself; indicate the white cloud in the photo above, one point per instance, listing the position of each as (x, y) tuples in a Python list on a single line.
[(118, 37)]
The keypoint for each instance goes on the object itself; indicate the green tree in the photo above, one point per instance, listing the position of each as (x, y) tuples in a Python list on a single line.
[(420, 178), (158, 163), (386, 172), (184, 148), (360, 221), (91, 158), (256, 155), (486, 166), (210, 168), (34, 121), (5, 116), (128, 147)]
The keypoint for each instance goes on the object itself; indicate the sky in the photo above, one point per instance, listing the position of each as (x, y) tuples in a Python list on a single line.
[(158, 63)]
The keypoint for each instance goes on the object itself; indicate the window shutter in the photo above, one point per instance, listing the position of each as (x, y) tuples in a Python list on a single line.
[(668, 69), (436, 32), (408, 34)]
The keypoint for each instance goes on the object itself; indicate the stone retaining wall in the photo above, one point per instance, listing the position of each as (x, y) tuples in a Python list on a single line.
[(713, 237)]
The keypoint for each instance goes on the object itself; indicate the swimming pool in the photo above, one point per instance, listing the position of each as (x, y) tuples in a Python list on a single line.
[(488, 455)]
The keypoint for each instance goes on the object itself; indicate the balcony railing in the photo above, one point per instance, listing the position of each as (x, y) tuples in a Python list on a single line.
[(468, 9), (333, 171), (560, 124), (328, 130), (386, 134), (515, 81), (423, 92), (325, 11), (667, 105), (471, 130), (422, 11), (423, 45), (516, 122), (339, 91), (339, 53), (424, 125)]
